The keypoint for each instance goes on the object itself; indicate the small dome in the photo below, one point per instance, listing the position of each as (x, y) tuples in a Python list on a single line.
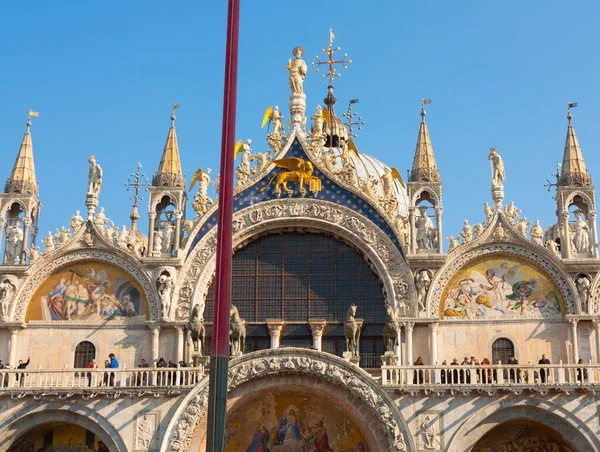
[(366, 166)]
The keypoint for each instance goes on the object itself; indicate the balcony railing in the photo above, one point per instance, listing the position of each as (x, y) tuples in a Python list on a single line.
[(99, 379), (494, 375)]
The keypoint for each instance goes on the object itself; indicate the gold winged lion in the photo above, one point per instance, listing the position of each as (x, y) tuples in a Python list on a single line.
[(298, 171)]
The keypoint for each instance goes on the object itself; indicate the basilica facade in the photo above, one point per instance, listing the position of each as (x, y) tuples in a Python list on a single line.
[(349, 305)]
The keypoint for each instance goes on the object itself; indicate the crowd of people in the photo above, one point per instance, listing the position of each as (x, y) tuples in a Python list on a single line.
[(489, 375)]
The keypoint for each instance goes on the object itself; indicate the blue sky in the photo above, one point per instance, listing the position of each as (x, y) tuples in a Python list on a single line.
[(103, 76)]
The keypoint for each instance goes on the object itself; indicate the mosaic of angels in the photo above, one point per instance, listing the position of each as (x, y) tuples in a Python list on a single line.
[(88, 291), (289, 422), (500, 287)]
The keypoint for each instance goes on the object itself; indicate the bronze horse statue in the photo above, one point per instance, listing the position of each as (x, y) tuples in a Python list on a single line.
[(352, 331), (237, 332), (196, 330), (391, 330)]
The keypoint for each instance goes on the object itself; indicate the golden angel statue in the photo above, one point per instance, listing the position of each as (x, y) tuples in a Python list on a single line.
[(273, 115)]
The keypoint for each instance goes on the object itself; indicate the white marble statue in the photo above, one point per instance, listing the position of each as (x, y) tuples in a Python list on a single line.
[(165, 289), (203, 183), (6, 291), (422, 283), (244, 170), (297, 68), (100, 220), (123, 237), (536, 232), (317, 128), (498, 174), (425, 229), (76, 221), (49, 243), (34, 254), (581, 237), (467, 232), (387, 183), (522, 225), (584, 287), (157, 247), (168, 235), (453, 242), (14, 243), (511, 212), (367, 186), (552, 246), (277, 118), (94, 177), (478, 229), (488, 212)]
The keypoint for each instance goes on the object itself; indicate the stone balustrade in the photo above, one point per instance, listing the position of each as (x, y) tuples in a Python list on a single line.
[(495, 376), (99, 380)]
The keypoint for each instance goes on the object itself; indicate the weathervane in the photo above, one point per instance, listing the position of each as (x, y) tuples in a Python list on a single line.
[(556, 175), (331, 62), (350, 115), (569, 115), (175, 107), (135, 185)]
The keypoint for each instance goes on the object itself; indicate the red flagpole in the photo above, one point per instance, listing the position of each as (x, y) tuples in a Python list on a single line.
[(219, 365)]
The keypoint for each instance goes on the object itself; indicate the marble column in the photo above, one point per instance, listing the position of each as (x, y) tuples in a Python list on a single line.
[(594, 231), (180, 343), (596, 323), (25, 243), (177, 240), (398, 349), (438, 222), (155, 343), (275, 327), (413, 232), (12, 353), (574, 340), (433, 344), (318, 328), (409, 351), (565, 241)]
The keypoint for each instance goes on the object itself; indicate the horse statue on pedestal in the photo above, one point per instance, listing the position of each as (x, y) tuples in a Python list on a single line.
[(237, 332), (196, 330), (391, 330), (352, 331)]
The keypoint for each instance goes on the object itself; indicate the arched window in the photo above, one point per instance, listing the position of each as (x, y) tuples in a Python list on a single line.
[(502, 350), (84, 353), (298, 277)]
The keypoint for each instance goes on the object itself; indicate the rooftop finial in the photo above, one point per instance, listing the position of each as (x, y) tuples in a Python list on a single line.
[(331, 62), (173, 117), (569, 115), (350, 115), (423, 103), (22, 178), (135, 185), (169, 169), (424, 168)]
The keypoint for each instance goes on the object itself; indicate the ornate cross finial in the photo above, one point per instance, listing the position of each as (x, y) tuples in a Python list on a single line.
[(556, 175), (331, 62), (136, 185), (350, 115)]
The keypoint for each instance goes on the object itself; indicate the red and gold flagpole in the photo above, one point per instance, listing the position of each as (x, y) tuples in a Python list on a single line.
[(219, 364)]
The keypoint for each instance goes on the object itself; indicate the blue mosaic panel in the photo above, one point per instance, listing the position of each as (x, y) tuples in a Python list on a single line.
[(331, 192)]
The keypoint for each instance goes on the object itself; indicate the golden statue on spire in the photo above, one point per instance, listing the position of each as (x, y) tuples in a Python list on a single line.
[(331, 62), (297, 70)]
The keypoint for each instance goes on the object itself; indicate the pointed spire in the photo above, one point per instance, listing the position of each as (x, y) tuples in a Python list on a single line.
[(22, 179), (169, 170), (424, 168), (574, 171)]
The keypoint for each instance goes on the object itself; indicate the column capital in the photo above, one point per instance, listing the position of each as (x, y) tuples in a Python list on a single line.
[(179, 329), (573, 322), (434, 327), (15, 329), (408, 325), (596, 323), (317, 326), (275, 327), (154, 328)]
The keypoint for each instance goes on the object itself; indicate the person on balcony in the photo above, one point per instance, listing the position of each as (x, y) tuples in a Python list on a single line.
[(418, 376), (454, 372), (465, 375), (113, 364), (514, 375), (582, 373), (91, 365), (486, 374), (543, 372), (5, 383), (445, 373), (22, 365), (142, 376)]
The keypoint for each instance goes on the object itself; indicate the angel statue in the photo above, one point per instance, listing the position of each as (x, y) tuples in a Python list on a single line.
[(273, 115), (318, 119), (297, 70), (298, 171), (94, 177), (387, 181), (244, 171), (498, 174), (201, 199)]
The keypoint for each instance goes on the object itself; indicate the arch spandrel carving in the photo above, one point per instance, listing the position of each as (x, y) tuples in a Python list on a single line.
[(295, 361), (318, 215)]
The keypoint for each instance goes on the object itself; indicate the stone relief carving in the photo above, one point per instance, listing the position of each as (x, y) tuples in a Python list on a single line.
[(7, 289), (430, 433), (584, 288), (165, 290), (299, 362), (422, 283), (146, 426)]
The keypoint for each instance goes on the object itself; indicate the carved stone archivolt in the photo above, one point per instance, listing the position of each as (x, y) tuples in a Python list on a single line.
[(45, 267), (279, 362), (310, 214), (501, 238)]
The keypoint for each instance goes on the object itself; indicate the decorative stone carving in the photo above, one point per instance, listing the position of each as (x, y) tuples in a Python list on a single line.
[(34, 254), (261, 160), (584, 287), (552, 246), (146, 426), (430, 433), (499, 232), (6, 292), (422, 283), (77, 221), (522, 225), (49, 243), (454, 243), (291, 361), (478, 229), (511, 212), (537, 233), (489, 213)]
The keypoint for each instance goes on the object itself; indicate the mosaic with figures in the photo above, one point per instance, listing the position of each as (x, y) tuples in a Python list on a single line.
[(87, 291), (500, 286), (331, 191), (292, 422)]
